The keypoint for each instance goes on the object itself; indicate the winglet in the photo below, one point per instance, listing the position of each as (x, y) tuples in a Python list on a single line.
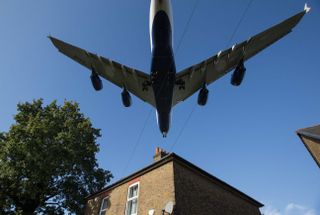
[(306, 8), (50, 37)]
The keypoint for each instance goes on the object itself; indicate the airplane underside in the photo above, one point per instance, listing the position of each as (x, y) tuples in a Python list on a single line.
[(164, 88), (163, 70)]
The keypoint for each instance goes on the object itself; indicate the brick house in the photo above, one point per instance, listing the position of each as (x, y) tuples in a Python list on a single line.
[(171, 178), (311, 139)]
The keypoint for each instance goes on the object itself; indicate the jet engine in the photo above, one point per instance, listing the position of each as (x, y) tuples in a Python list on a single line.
[(96, 81), (203, 96), (126, 98), (238, 74)]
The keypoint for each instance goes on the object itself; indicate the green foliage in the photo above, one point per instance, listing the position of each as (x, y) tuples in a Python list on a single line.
[(47, 160)]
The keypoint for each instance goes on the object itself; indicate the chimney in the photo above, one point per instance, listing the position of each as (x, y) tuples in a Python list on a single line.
[(160, 153)]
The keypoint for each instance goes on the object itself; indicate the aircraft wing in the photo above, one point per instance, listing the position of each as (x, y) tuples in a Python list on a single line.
[(133, 80), (217, 66)]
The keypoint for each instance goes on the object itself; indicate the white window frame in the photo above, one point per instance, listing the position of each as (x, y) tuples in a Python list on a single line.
[(105, 210), (132, 198)]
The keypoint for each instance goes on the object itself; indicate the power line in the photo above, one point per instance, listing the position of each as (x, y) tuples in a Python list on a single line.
[(183, 127), (187, 25), (137, 143), (239, 23), (228, 44), (141, 132), (162, 85)]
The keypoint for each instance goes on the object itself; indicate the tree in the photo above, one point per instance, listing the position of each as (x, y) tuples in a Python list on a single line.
[(47, 160)]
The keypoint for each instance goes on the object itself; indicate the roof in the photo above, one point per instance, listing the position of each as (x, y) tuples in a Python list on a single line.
[(175, 158), (311, 139), (311, 132)]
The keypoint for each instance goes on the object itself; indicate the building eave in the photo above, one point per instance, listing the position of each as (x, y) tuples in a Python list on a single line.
[(305, 134), (308, 134)]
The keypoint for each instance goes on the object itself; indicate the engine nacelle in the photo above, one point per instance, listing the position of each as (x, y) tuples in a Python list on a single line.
[(238, 74), (126, 98), (203, 96), (96, 81)]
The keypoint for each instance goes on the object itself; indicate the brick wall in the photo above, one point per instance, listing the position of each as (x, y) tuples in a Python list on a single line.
[(199, 195), (172, 179), (156, 189)]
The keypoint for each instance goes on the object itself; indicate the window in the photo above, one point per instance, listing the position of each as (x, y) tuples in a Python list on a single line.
[(104, 206), (132, 199)]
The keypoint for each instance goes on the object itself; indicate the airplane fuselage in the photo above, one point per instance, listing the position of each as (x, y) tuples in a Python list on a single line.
[(163, 69)]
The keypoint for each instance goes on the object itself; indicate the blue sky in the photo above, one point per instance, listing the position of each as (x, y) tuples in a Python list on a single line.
[(245, 135)]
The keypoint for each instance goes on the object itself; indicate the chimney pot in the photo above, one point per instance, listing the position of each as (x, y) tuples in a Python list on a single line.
[(160, 153)]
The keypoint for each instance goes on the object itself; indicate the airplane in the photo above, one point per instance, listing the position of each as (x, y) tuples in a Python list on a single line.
[(164, 88)]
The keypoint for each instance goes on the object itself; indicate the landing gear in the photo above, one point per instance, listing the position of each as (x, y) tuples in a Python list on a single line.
[(181, 83), (164, 134), (146, 85)]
